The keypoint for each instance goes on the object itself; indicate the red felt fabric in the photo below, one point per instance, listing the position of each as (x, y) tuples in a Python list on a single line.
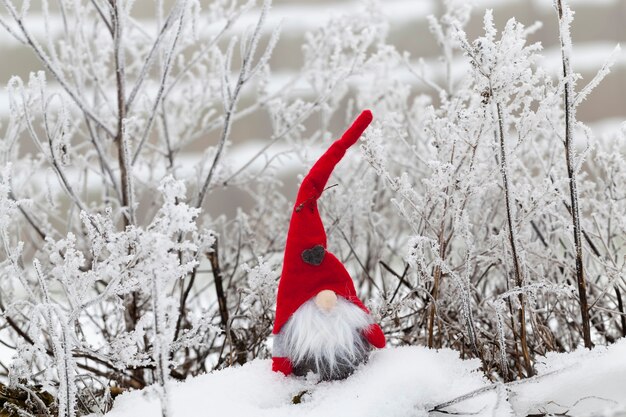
[(282, 365), (299, 280), (375, 336)]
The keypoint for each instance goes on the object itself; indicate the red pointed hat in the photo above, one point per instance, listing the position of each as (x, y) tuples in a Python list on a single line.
[(308, 267)]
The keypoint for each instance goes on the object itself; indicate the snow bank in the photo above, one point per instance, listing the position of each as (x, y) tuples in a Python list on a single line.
[(401, 382), (405, 381), (581, 383)]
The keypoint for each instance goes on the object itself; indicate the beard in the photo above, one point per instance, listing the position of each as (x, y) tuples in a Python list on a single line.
[(328, 343)]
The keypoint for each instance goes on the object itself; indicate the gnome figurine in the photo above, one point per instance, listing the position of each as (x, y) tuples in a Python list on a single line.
[(321, 325)]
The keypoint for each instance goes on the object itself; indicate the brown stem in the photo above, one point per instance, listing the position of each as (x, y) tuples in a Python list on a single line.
[(518, 365), (437, 273), (519, 282), (570, 117), (433, 304), (223, 306), (184, 296), (122, 149), (132, 313), (401, 280), (620, 307), (218, 280)]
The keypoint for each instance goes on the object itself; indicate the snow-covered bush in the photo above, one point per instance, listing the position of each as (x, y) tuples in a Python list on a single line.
[(503, 211), (467, 222)]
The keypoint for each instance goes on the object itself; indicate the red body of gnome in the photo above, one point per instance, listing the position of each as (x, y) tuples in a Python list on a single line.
[(308, 267)]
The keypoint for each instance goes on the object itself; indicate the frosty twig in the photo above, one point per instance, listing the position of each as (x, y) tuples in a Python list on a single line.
[(565, 20)]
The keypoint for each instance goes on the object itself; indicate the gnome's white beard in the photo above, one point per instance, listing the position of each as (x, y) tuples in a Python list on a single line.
[(331, 341)]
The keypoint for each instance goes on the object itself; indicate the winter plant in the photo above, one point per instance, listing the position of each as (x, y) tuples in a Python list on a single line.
[(505, 258), (471, 220)]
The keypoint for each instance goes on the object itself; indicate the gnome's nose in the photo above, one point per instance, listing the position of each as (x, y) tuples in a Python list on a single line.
[(326, 300)]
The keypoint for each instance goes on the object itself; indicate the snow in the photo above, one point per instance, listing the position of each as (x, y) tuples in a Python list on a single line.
[(400, 381), (583, 382), (395, 380)]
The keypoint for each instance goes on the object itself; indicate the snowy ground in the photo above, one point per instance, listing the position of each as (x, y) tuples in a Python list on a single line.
[(402, 382)]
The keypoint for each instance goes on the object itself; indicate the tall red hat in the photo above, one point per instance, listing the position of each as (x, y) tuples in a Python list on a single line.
[(308, 267)]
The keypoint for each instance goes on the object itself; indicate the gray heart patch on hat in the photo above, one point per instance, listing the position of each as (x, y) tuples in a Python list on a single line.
[(314, 256)]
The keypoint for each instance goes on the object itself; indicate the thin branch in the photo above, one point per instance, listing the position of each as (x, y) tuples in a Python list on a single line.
[(176, 9), (41, 55), (603, 72), (205, 49), (120, 137), (102, 16), (52, 158), (565, 19), (230, 107), (519, 281), (164, 76)]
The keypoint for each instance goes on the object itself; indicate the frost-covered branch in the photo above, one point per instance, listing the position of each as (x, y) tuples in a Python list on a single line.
[(565, 21), (231, 98), (45, 60)]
